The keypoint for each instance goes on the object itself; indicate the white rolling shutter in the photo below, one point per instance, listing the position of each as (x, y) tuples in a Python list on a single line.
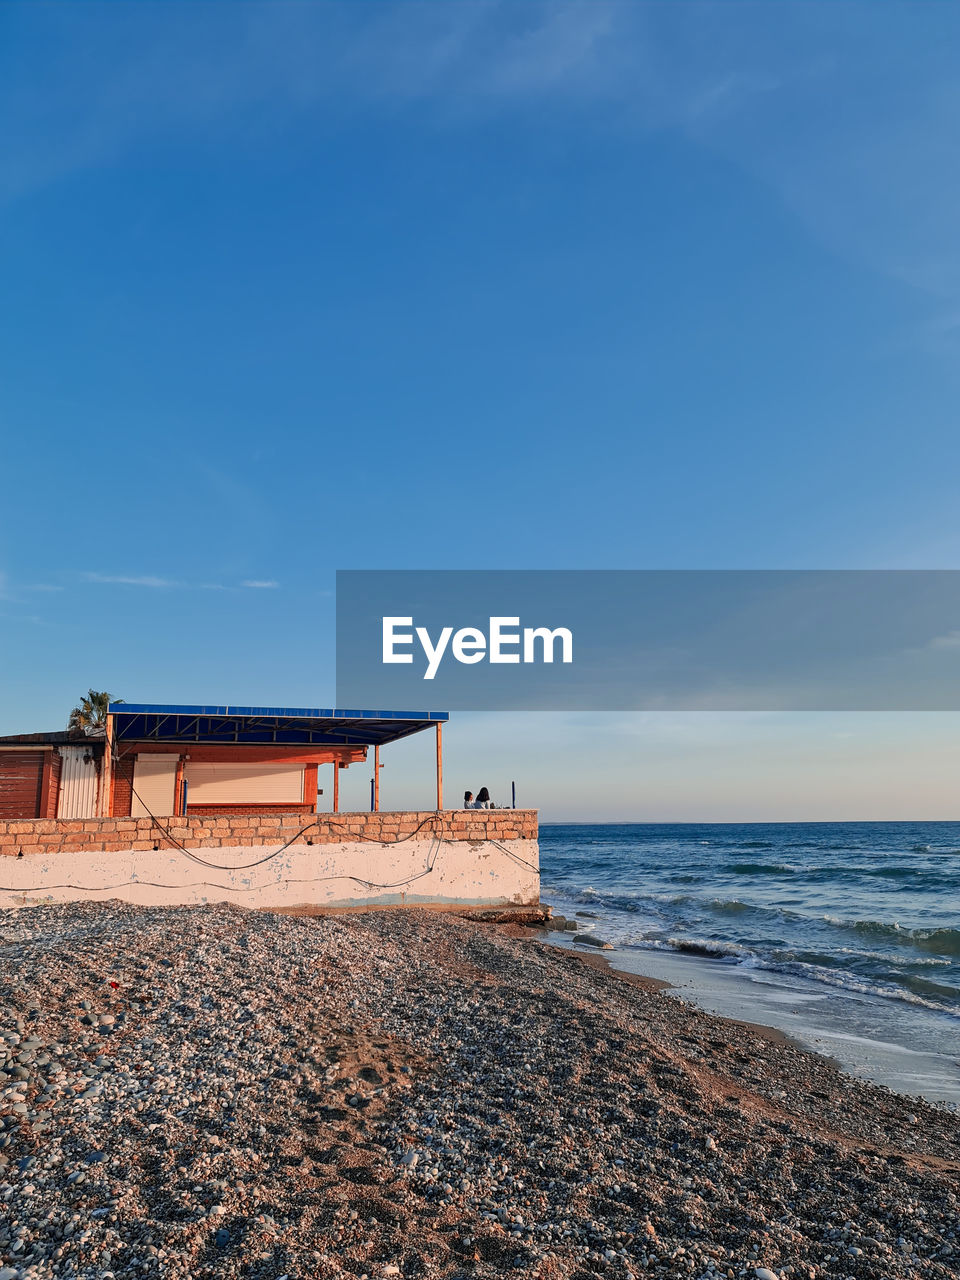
[(154, 781), (244, 783)]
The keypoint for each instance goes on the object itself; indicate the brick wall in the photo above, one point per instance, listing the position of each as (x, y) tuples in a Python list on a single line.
[(121, 787), (96, 835)]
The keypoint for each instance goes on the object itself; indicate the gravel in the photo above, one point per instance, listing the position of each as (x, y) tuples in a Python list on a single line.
[(207, 1091)]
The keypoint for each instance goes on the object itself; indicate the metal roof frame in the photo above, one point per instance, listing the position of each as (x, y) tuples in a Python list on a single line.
[(259, 726)]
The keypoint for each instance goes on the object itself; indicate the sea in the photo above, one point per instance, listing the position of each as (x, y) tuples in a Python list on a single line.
[(844, 935)]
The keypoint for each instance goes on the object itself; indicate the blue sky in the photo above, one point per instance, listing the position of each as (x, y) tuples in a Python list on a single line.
[(296, 287)]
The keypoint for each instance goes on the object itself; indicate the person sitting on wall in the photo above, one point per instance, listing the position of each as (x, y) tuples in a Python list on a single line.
[(483, 799), (468, 800)]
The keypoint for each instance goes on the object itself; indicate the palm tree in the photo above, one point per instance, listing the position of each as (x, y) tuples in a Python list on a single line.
[(91, 715)]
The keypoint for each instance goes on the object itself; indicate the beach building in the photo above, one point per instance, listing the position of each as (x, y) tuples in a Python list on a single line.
[(162, 791), (50, 775), (169, 761)]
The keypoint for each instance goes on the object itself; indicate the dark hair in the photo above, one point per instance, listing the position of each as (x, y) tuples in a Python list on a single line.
[(467, 797), (483, 794)]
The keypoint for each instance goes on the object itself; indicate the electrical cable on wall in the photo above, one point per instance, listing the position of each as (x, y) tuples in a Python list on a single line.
[(432, 858), (218, 866), (367, 884)]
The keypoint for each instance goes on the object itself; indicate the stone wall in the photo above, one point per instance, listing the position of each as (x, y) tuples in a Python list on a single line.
[(485, 858), (105, 835)]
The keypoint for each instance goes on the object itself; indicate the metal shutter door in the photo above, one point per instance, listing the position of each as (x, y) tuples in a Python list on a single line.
[(244, 783), (154, 779)]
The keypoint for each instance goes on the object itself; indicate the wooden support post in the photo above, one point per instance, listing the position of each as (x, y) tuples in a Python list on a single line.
[(336, 786), (376, 779), (310, 791), (178, 790), (439, 765), (106, 773)]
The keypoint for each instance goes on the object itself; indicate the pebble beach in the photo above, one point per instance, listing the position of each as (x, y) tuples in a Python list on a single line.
[(208, 1091)]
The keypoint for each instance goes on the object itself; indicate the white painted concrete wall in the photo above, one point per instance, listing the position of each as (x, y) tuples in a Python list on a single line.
[(351, 874)]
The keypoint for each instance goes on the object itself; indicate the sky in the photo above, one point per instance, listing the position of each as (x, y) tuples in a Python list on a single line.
[(296, 287)]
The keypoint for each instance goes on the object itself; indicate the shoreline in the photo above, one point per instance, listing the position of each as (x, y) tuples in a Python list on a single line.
[(211, 1092), (659, 985), (818, 1018)]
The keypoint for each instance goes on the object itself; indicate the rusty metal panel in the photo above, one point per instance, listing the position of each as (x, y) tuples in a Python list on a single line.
[(50, 785), (21, 776)]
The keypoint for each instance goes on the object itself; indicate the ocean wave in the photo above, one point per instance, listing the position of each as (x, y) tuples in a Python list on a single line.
[(709, 948), (924, 987), (897, 958), (813, 967), (945, 942), (864, 970), (941, 1000), (732, 907), (760, 868), (938, 879), (631, 904), (737, 907), (666, 904)]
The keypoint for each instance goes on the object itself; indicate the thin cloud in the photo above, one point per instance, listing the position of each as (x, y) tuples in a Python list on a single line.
[(30, 618), (8, 592), (949, 641), (153, 71), (153, 583), (130, 580), (873, 178)]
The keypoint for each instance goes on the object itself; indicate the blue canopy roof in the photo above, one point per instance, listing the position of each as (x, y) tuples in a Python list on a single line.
[(291, 726)]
